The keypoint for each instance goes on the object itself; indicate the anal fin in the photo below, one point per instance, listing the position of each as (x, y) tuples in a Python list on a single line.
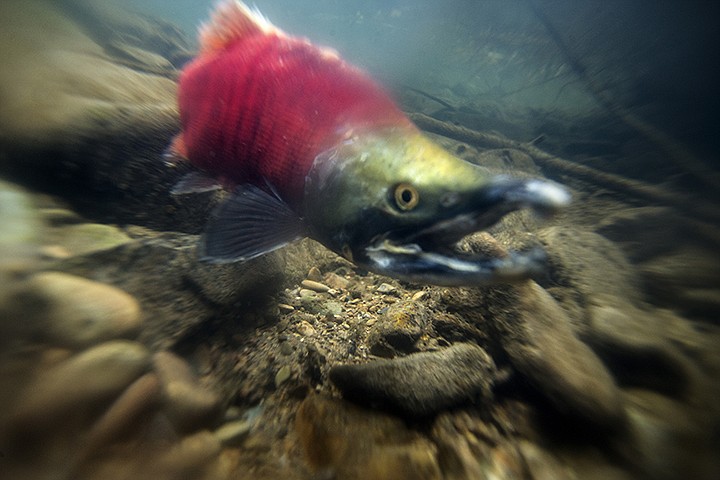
[(249, 224), (176, 152)]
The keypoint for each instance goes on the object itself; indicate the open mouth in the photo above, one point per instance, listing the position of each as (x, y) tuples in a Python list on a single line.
[(429, 255)]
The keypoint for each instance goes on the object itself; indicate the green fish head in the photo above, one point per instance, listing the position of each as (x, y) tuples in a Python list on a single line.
[(396, 203)]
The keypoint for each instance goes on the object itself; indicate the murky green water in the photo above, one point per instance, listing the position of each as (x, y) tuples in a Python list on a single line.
[(122, 354)]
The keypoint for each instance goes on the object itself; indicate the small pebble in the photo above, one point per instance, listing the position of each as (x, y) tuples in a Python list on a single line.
[(60, 216), (232, 414), (314, 286), (305, 329), (286, 348), (233, 433), (188, 405), (314, 274), (417, 296), (334, 280), (305, 293), (285, 308), (282, 375), (385, 288), (332, 308), (54, 252), (192, 453)]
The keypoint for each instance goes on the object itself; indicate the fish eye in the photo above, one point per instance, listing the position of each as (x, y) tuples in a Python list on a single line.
[(406, 196)]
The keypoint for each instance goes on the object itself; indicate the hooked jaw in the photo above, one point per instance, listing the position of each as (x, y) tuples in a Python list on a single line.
[(428, 255)]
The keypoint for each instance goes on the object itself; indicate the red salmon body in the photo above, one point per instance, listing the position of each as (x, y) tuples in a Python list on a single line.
[(258, 106), (314, 148)]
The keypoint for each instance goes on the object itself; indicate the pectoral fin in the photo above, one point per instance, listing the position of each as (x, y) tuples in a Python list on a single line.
[(250, 223)]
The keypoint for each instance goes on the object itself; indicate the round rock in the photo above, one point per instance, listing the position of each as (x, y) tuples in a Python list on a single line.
[(589, 263), (638, 346), (355, 443), (233, 433), (20, 231), (538, 337), (128, 411), (193, 453), (76, 312), (188, 404), (399, 328), (314, 286), (85, 238), (82, 382)]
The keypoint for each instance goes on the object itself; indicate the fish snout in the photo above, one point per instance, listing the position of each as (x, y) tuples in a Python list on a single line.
[(542, 196), (427, 255)]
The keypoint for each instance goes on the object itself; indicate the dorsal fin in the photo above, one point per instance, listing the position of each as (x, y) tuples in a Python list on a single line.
[(230, 21)]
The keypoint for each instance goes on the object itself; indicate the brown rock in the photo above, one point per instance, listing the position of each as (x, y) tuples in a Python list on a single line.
[(233, 433), (305, 329), (226, 283), (669, 277), (399, 328), (421, 383), (354, 444), (76, 312), (193, 453), (84, 92), (540, 342), (333, 280), (589, 263), (124, 415), (189, 405), (640, 347), (314, 274), (667, 441), (644, 232), (83, 382), (700, 301), (314, 286), (690, 267), (85, 238)]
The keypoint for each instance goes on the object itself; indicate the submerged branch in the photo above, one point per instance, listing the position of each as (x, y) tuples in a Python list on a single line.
[(629, 187), (676, 152), (430, 96)]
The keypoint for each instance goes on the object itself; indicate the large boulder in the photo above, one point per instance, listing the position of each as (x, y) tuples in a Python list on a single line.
[(88, 105)]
